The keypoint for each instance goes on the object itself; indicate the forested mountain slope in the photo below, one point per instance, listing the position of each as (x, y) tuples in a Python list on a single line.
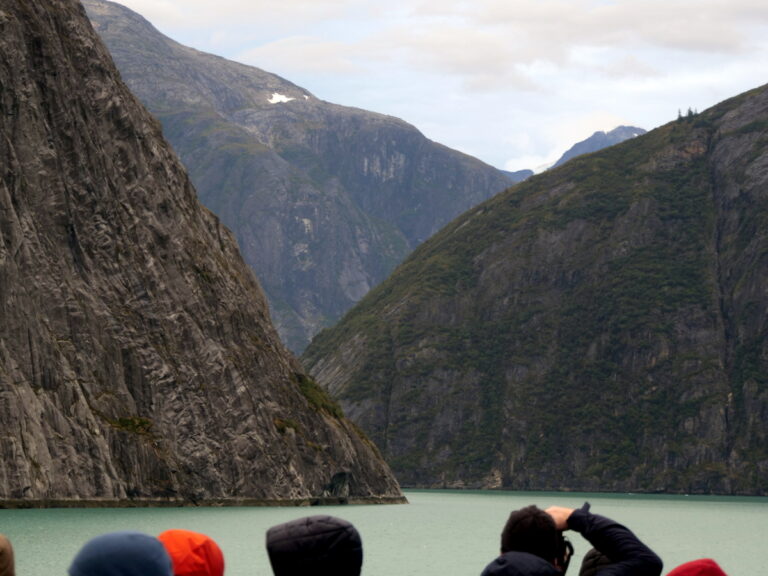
[(601, 326), (324, 200), (137, 359)]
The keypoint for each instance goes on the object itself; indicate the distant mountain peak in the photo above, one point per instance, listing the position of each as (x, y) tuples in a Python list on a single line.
[(600, 140)]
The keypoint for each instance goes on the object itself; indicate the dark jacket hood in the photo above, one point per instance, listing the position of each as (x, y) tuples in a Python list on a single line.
[(318, 545), (520, 564)]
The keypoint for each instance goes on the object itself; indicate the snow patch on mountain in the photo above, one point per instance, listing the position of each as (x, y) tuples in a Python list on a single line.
[(278, 98)]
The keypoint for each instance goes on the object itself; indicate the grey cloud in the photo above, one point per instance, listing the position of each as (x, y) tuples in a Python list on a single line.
[(703, 25)]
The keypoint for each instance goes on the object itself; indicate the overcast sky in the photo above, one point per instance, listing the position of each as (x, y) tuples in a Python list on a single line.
[(512, 82)]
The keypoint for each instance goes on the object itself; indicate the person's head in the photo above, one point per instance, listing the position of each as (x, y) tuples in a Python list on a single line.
[(122, 554), (192, 553), (702, 567), (531, 530), (317, 545), (593, 561), (7, 566)]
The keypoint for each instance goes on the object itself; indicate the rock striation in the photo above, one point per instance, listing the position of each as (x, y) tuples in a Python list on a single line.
[(599, 327), (138, 363), (324, 200)]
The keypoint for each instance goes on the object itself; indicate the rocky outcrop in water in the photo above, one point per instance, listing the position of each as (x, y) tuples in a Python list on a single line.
[(599, 327), (137, 359), (324, 200)]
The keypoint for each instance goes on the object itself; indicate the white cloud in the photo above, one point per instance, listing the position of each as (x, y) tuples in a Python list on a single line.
[(203, 13), (291, 55)]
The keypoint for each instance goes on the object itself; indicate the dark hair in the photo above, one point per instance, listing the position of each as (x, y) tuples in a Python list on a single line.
[(593, 561), (531, 530)]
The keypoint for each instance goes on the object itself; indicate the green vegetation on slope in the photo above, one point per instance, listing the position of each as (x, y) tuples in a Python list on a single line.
[(569, 331)]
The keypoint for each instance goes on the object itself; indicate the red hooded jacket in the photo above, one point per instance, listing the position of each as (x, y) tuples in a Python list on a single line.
[(192, 553), (702, 567)]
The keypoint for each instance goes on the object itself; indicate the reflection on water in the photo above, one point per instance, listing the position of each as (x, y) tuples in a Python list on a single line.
[(438, 533)]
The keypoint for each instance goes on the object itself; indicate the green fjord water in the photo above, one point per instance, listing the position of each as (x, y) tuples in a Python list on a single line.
[(438, 533)]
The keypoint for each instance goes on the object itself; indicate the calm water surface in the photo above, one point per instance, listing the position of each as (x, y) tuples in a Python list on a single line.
[(438, 533)]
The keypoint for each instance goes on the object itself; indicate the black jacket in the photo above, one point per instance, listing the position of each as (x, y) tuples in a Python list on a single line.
[(520, 564), (630, 557)]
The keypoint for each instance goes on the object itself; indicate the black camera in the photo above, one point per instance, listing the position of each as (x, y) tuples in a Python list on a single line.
[(564, 552)]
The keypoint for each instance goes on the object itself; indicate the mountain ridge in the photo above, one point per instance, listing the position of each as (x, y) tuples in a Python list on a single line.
[(324, 200), (597, 327)]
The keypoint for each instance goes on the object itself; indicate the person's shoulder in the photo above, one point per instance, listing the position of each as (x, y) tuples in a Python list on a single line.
[(520, 564)]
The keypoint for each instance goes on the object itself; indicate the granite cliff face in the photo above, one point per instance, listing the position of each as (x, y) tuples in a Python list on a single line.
[(324, 200), (137, 359), (599, 327)]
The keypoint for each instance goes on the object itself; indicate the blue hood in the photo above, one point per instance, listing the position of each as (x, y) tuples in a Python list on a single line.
[(122, 554)]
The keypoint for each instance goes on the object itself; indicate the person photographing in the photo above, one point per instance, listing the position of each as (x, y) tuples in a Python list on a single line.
[(533, 544)]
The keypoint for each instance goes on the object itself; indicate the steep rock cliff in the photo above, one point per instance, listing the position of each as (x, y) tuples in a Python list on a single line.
[(601, 326), (324, 200), (137, 359)]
